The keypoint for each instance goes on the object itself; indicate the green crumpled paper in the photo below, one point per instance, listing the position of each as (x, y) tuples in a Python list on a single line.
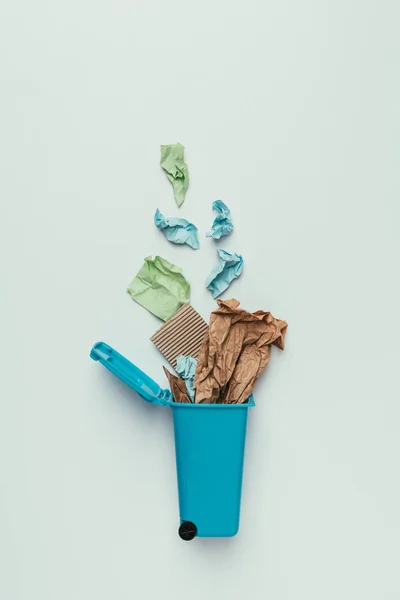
[(176, 169), (160, 287)]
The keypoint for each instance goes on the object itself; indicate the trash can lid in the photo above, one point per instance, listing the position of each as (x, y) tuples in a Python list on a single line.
[(130, 374)]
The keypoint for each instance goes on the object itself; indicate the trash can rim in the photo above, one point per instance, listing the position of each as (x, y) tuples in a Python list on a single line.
[(249, 404)]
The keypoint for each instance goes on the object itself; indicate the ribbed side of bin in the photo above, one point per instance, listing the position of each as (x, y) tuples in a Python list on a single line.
[(210, 442)]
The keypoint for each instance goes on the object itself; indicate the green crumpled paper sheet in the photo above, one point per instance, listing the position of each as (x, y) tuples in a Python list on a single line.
[(160, 287), (176, 169)]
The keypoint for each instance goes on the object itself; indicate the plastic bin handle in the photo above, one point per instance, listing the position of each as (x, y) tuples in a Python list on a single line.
[(130, 374)]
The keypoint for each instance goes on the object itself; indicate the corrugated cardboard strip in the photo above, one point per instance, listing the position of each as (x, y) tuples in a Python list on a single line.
[(183, 334)]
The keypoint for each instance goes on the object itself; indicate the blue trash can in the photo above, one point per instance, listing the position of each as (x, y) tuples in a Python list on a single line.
[(209, 443)]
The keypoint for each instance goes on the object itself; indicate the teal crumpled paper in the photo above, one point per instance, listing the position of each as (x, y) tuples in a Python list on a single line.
[(222, 224), (230, 267), (176, 169), (177, 231), (186, 368)]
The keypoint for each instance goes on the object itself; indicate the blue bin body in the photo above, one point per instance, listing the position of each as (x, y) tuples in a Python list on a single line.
[(209, 443)]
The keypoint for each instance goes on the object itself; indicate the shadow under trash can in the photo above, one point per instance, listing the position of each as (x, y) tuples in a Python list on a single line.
[(209, 443)]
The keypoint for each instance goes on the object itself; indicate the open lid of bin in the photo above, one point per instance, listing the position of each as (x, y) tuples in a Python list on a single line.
[(130, 374)]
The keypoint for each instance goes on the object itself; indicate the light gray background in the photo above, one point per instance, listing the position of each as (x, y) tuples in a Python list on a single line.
[(289, 113)]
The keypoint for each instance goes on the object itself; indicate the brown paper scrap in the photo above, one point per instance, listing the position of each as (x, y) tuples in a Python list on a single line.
[(235, 351), (178, 387)]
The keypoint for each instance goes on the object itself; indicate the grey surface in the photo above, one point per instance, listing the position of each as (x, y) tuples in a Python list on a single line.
[(289, 112)]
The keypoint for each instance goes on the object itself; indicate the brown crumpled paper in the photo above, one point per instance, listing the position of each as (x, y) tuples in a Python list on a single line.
[(178, 387), (235, 352)]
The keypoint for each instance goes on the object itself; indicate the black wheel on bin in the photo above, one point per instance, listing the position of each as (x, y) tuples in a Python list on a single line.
[(187, 531)]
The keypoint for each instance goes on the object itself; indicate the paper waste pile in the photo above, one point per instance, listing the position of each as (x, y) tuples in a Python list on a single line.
[(215, 363)]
